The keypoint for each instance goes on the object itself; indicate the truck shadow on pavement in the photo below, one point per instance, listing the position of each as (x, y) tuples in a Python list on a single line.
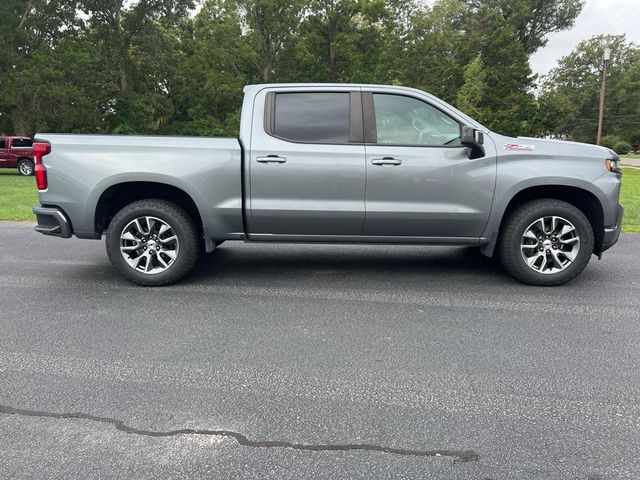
[(346, 262)]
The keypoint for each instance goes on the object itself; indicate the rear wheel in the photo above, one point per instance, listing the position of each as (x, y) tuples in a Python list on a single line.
[(152, 242), (25, 167), (546, 242)]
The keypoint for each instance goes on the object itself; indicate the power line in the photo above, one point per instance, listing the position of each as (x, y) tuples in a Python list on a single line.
[(622, 16)]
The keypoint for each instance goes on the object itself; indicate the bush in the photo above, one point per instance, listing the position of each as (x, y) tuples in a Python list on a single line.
[(610, 141), (622, 148)]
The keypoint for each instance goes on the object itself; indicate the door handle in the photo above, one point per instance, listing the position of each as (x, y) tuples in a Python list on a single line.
[(271, 159), (386, 161)]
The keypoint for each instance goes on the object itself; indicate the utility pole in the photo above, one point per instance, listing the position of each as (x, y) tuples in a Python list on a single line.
[(603, 87)]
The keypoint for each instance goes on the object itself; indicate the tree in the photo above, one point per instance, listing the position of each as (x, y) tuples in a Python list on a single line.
[(151, 66), (139, 42), (345, 41), (507, 104), (436, 49), (473, 89), (31, 29), (532, 20), (271, 25), (575, 83), (218, 61)]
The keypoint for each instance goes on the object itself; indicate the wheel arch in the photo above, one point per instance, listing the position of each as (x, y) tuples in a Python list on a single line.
[(117, 195), (579, 196)]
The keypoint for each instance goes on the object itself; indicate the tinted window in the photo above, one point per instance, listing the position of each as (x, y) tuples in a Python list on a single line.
[(312, 117), (21, 143), (404, 120), (2, 143)]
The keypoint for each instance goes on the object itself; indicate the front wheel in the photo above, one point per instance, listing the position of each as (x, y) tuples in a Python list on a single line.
[(152, 242), (546, 242), (25, 167)]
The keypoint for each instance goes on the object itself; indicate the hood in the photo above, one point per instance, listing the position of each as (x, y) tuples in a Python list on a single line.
[(536, 147)]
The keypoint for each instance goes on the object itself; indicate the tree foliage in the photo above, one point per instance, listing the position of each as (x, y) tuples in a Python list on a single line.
[(165, 67), (532, 20), (569, 101)]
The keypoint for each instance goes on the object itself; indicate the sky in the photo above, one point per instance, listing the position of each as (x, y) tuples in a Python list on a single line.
[(597, 17)]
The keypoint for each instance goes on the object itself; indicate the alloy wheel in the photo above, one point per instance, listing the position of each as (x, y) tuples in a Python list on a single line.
[(550, 244), (149, 245), (26, 169)]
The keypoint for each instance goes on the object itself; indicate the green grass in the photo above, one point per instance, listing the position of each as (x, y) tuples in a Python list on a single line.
[(630, 198), (18, 194)]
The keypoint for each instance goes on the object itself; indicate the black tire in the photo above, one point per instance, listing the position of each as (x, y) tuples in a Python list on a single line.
[(25, 167), (511, 238), (183, 227)]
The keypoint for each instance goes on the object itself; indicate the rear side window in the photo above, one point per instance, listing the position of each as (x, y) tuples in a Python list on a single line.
[(21, 143), (312, 117), (3, 143)]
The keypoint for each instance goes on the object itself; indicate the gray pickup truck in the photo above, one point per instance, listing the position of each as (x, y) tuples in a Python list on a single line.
[(333, 163)]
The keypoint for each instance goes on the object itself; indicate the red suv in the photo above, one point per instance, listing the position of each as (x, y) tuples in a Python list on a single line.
[(17, 152)]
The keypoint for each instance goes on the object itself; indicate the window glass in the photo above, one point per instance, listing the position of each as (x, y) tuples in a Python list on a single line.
[(312, 117), (21, 143), (2, 143), (404, 120)]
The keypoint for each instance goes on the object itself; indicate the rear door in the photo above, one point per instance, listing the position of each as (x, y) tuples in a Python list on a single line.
[(420, 180), (307, 163)]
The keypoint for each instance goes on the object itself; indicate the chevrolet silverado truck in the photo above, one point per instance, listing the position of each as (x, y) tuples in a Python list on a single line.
[(17, 152), (333, 163)]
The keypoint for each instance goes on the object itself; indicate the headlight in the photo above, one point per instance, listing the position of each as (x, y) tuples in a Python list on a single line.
[(613, 165)]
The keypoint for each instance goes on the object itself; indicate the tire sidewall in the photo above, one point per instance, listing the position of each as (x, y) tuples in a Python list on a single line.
[(519, 267), (180, 225)]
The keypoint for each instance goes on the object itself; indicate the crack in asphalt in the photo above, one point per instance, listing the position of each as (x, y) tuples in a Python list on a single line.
[(457, 455)]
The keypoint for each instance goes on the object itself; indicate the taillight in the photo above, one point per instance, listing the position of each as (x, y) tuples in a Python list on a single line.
[(40, 149)]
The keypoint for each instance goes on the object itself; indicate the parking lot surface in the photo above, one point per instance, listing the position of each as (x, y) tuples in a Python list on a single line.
[(316, 361)]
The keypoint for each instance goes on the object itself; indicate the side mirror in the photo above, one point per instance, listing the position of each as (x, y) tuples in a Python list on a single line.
[(474, 139)]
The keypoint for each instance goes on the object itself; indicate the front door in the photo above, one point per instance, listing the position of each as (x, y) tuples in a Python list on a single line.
[(420, 180), (307, 164)]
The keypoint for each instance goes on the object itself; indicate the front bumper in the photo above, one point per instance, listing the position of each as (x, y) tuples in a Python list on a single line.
[(52, 221), (611, 234)]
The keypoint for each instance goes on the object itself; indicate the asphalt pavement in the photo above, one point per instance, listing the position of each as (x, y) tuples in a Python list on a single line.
[(316, 361)]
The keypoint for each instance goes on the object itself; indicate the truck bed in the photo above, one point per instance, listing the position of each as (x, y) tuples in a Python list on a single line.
[(82, 168)]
